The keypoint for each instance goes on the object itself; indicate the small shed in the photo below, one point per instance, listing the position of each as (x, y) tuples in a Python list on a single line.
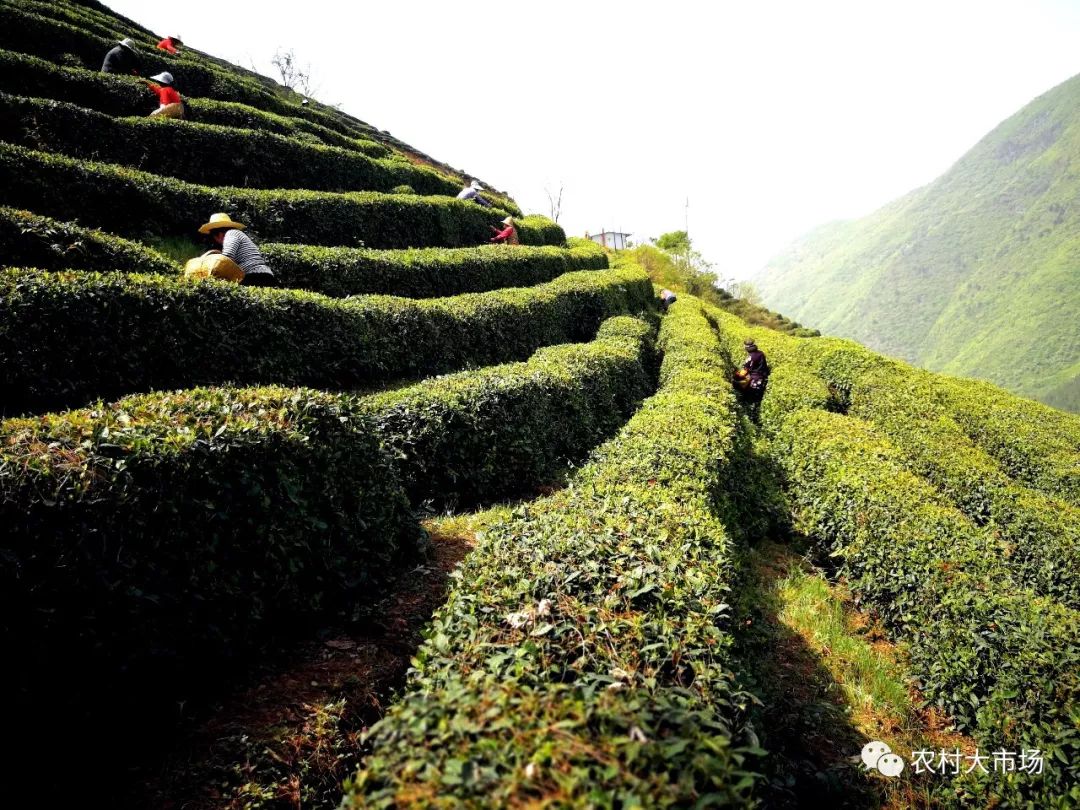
[(611, 239)]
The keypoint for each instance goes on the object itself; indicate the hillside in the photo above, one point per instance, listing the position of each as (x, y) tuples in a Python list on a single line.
[(436, 522), (975, 274)]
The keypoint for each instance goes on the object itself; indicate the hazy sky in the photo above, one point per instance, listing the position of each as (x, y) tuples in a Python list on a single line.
[(771, 117)]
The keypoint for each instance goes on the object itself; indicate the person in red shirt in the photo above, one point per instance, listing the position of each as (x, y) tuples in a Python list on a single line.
[(172, 106), (170, 44), (508, 235)]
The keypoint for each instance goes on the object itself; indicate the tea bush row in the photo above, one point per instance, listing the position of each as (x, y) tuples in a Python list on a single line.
[(148, 542), (582, 655), (497, 431), (29, 240), (129, 202), (999, 659), (69, 337), (426, 272), (206, 153), (22, 74)]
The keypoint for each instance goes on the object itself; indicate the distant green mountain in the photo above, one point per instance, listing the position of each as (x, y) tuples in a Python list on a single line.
[(976, 274)]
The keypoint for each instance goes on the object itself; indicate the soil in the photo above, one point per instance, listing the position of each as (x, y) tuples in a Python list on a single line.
[(293, 732)]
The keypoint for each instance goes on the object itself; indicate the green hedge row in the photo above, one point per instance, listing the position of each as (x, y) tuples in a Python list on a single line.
[(205, 153), (494, 432), (21, 74), (51, 39), (132, 203), (1037, 444), (148, 542), (1042, 533), (582, 656), (241, 116), (28, 240), (89, 33), (58, 32), (206, 82), (426, 272), (1002, 661), (69, 337)]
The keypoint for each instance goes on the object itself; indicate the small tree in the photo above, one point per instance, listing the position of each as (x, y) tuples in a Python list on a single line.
[(555, 203), (292, 75), (677, 243)]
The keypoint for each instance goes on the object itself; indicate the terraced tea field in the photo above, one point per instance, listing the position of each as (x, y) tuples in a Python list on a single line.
[(197, 475)]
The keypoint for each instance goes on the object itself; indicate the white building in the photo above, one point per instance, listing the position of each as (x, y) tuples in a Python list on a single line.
[(611, 239)]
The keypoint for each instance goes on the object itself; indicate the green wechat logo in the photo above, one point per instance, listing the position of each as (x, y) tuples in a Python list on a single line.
[(877, 755)]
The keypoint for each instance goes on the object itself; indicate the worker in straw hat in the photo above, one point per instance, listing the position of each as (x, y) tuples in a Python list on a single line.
[(508, 235), (472, 192), (231, 242), (122, 59), (171, 105)]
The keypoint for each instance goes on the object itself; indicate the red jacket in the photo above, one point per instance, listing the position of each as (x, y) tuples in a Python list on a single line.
[(166, 95), (166, 45), (509, 236)]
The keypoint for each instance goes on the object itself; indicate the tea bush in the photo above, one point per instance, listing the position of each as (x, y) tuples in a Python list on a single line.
[(68, 337), (22, 74), (1036, 444), (130, 203), (426, 272), (205, 153), (1001, 660), (582, 655), (27, 240), (175, 530), (485, 434)]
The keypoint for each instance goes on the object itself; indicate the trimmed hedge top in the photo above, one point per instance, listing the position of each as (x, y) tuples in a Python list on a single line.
[(427, 272), (69, 337), (131, 203), (28, 240), (581, 658), (22, 74), (205, 153), (145, 543)]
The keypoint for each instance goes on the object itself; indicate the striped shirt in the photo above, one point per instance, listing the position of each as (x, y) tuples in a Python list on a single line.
[(239, 247)]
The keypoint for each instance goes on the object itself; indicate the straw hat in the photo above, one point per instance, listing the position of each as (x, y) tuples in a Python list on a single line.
[(163, 78), (508, 221), (220, 221), (476, 184), (129, 44)]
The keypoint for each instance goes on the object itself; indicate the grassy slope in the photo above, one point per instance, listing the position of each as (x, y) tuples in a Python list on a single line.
[(974, 274)]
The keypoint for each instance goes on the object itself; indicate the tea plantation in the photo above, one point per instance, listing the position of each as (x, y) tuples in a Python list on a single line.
[(190, 470)]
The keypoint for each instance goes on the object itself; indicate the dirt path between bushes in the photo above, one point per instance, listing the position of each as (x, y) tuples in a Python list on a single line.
[(292, 733)]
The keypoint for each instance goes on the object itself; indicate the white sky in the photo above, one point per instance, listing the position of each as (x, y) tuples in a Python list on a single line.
[(771, 117)]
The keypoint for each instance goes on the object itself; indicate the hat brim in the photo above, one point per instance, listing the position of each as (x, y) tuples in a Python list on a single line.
[(214, 226), (125, 45)]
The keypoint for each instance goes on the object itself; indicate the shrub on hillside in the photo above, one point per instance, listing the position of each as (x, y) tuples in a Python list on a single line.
[(27, 240), (1035, 443), (22, 74), (145, 543), (131, 202), (600, 613), (69, 337), (204, 153), (486, 434), (998, 658), (426, 272)]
